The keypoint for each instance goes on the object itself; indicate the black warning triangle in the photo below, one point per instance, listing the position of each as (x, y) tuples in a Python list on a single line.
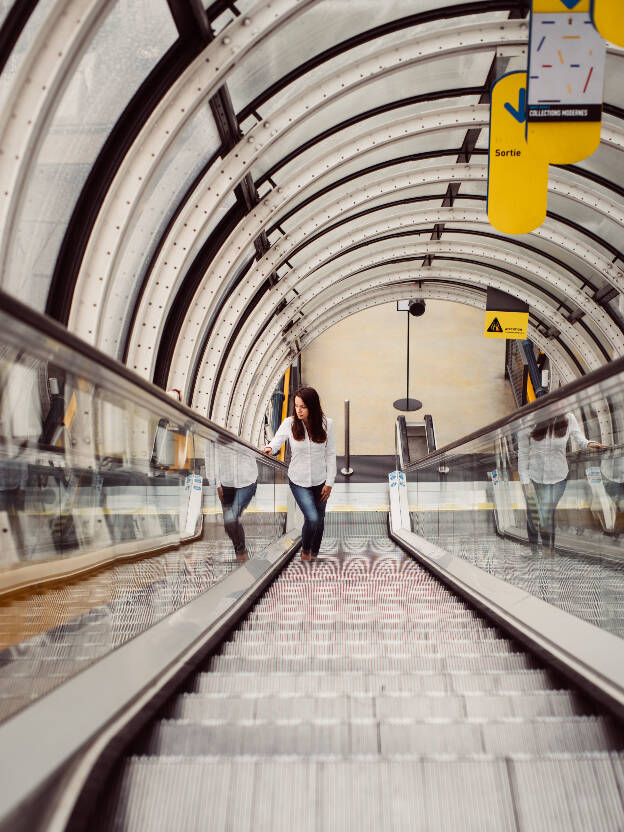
[(495, 326)]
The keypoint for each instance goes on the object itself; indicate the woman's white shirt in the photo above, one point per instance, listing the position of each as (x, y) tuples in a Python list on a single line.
[(231, 466), (545, 461), (311, 463)]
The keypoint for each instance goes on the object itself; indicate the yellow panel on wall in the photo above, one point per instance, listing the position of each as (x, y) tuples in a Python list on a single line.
[(608, 17), (505, 324), (517, 178)]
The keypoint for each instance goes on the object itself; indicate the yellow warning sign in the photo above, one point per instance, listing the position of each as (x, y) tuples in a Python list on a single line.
[(506, 324)]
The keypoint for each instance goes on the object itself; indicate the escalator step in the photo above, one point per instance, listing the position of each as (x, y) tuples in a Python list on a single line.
[(319, 631), (371, 663), (572, 794), (310, 682), (475, 794), (343, 708), (305, 735), (346, 648)]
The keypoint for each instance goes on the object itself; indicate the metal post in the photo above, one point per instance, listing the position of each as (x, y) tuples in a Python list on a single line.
[(407, 403), (407, 374), (347, 470)]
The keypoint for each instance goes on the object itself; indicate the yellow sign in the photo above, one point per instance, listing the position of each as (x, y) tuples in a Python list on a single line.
[(517, 178), (506, 324), (607, 17), (560, 6)]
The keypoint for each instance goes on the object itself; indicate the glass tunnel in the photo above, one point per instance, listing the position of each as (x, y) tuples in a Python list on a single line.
[(193, 194)]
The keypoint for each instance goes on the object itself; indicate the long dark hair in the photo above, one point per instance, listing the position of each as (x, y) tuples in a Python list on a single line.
[(316, 418), (557, 426)]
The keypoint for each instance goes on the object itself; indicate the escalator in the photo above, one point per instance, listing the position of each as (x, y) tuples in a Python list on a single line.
[(427, 671), (360, 693)]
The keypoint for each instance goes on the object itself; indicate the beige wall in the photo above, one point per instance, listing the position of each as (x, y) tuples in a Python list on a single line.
[(456, 373)]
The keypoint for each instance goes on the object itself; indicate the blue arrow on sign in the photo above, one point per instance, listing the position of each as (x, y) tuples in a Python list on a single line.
[(570, 4), (520, 113)]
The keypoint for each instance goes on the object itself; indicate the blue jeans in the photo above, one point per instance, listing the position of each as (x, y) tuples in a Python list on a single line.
[(313, 508), (235, 501), (541, 512)]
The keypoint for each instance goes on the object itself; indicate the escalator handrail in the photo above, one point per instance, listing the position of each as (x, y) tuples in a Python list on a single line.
[(402, 442), (430, 433), (602, 374), (51, 328)]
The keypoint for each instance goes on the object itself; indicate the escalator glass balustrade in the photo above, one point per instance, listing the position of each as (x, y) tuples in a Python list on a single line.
[(95, 470), (538, 501)]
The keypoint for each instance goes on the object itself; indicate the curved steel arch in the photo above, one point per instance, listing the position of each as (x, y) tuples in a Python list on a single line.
[(441, 95), (324, 296), (197, 84), (178, 250), (137, 170), (251, 423), (227, 260), (432, 15), (569, 190), (610, 135), (193, 323), (32, 100), (184, 353), (567, 291), (264, 312), (580, 230), (257, 276)]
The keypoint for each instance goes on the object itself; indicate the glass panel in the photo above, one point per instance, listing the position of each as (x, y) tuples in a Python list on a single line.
[(361, 182), (448, 139), (585, 217), (321, 27), (538, 504), (337, 113), (5, 8), (607, 162), (186, 157), (562, 254), (95, 471), (13, 64), (128, 44)]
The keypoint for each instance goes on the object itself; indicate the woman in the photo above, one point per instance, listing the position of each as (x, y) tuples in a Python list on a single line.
[(542, 470), (312, 468)]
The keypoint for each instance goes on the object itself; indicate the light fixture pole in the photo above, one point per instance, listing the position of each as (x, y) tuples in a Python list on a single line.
[(407, 404)]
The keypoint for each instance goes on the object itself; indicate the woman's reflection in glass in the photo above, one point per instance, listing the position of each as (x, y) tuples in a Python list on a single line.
[(612, 470), (235, 473), (543, 471)]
